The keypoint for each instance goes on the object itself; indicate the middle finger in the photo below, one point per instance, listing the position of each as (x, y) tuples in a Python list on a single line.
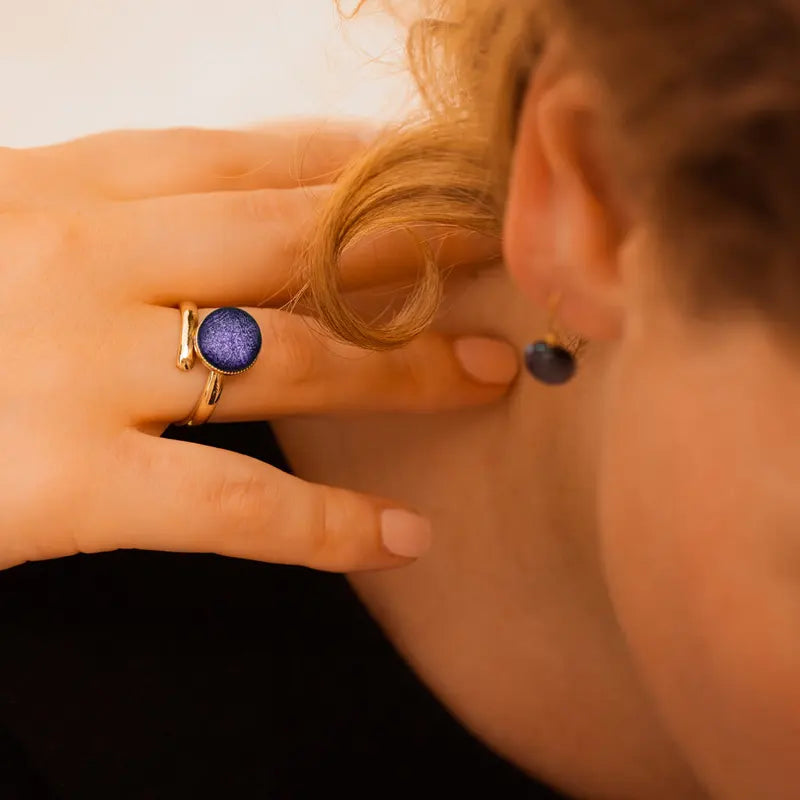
[(246, 248)]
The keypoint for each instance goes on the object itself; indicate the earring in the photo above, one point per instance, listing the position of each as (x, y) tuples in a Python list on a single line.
[(547, 360)]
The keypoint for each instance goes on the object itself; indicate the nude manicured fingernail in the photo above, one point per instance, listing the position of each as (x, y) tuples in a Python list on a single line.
[(405, 534), (487, 360)]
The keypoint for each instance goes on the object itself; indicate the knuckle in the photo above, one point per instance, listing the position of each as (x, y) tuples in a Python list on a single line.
[(423, 387), (191, 138), (342, 530), (215, 149), (242, 500), (321, 540), (224, 151), (293, 357), (322, 155), (53, 238), (262, 205), (285, 214)]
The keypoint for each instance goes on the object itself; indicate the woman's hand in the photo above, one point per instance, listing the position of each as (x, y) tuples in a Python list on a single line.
[(100, 240)]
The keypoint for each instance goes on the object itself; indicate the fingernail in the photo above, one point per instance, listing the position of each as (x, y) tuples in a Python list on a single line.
[(405, 534), (487, 360)]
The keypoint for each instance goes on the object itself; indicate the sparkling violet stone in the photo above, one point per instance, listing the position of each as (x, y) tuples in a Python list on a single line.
[(229, 339), (553, 365)]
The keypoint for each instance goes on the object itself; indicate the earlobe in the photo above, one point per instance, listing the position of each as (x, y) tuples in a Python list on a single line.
[(560, 231)]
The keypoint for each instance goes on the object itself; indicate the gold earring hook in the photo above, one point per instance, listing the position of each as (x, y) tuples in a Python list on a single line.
[(552, 304)]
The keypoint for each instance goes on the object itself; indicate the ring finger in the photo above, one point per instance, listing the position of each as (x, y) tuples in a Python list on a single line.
[(301, 371)]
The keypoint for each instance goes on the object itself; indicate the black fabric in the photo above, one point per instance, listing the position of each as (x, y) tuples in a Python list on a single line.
[(137, 675)]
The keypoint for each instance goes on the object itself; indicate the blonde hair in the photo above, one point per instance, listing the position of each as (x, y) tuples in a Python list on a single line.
[(704, 98)]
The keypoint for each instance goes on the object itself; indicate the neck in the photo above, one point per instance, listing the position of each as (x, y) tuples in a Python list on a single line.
[(507, 619)]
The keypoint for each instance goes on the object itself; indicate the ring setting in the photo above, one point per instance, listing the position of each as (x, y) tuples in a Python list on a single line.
[(227, 342)]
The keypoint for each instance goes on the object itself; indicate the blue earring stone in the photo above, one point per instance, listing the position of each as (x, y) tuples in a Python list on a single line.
[(548, 363)]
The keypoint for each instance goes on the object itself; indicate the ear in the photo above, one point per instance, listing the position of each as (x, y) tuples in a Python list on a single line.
[(562, 231)]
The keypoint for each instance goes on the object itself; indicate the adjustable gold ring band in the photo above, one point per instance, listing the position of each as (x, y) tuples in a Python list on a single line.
[(207, 402), (227, 342), (189, 320)]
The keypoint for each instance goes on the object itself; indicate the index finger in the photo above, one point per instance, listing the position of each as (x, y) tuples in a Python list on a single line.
[(134, 164)]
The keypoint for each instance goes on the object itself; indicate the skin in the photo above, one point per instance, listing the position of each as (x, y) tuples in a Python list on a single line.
[(612, 601), (101, 239)]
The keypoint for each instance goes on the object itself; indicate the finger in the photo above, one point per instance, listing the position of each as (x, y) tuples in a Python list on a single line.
[(133, 164), (301, 371), (246, 248), (184, 497)]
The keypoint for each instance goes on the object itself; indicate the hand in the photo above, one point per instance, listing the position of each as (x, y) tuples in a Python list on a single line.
[(100, 240)]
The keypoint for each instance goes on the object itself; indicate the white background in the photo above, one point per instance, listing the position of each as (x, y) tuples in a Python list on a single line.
[(70, 67)]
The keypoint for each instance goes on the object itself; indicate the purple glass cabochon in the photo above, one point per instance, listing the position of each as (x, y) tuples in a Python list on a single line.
[(229, 340)]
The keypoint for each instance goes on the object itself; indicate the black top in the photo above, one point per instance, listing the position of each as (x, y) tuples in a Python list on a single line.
[(137, 675)]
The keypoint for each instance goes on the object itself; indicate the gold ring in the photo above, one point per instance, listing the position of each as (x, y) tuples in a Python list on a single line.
[(227, 342), (189, 319), (207, 402)]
